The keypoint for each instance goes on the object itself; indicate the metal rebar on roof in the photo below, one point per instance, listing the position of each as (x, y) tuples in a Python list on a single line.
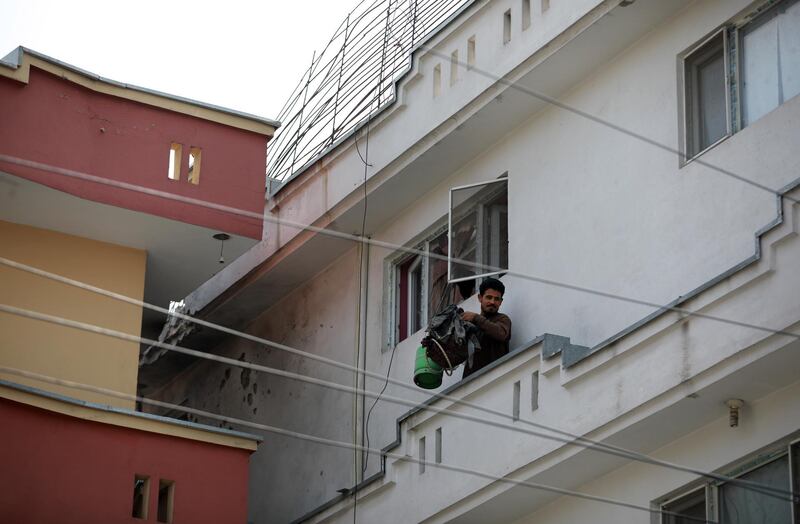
[(351, 78)]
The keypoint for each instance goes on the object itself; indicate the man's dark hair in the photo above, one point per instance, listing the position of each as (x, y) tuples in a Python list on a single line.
[(492, 283)]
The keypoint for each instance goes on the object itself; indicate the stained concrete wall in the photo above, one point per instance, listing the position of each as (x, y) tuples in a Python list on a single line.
[(587, 206), (287, 474), (668, 380)]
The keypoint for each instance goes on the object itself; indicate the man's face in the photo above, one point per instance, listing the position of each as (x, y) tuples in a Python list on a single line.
[(490, 302)]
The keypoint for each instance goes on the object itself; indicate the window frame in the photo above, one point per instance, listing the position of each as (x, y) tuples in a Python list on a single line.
[(789, 448), (482, 246), (423, 243), (417, 264), (393, 267), (733, 32), (688, 112), (706, 489)]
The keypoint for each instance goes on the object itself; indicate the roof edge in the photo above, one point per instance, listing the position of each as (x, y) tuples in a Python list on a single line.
[(17, 63), (136, 420)]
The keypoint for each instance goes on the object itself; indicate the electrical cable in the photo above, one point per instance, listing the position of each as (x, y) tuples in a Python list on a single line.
[(363, 283), (633, 455), (346, 445), (515, 85), (699, 161), (579, 442), (683, 312), (558, 284)]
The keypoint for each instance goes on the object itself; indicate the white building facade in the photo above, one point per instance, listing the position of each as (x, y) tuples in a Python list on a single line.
[(632, 154)]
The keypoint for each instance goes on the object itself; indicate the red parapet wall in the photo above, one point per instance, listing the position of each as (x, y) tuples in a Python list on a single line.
[(53, 121), (57, 468)]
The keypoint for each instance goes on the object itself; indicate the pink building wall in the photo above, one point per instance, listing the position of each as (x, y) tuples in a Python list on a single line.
[(57, 468), (53, 121)]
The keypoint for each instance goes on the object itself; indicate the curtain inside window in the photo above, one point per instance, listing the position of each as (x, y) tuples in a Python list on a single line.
[(440, 295), (770, 62), (740, 505)]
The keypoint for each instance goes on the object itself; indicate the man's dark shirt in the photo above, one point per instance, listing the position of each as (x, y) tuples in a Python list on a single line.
[(494, 333)]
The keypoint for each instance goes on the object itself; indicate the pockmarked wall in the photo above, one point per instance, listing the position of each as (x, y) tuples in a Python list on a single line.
[(588, 206), (289, 476), (60, 351)]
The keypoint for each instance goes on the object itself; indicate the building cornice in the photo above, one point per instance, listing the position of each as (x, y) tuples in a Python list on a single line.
[(17, 64), (126, 418)]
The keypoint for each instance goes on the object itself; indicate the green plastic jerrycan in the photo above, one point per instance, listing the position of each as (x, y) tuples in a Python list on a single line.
[(427, 373)]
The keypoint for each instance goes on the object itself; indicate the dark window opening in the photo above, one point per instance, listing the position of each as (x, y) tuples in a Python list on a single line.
[(166, 495), (141, 496)]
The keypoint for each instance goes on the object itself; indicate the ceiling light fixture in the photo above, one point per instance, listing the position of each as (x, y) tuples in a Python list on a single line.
[(222, 237)]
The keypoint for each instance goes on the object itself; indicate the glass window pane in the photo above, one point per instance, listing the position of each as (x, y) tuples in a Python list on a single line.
[(740, 505), (760, 74), (440, 295), (706, 101), (692, 506), (496, 224), (711, 90), (464, 242), (415, 296), (770, 61), (478, 237)]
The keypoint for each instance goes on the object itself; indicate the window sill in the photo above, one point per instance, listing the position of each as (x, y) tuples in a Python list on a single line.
[(686, 162)]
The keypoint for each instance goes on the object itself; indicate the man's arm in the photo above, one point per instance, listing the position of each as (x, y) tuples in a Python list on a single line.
[(498, 327)]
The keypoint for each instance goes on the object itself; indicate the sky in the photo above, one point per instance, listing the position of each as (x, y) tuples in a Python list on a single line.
[(243, 55)]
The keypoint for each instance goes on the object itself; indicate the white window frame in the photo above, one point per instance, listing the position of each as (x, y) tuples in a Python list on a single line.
[(423, 244), (480, 209), (708, 497), (411, 291), (689, 121), (393, 266), (732, 32), (789, 449)]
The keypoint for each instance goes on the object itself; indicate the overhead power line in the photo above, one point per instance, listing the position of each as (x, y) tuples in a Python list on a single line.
[(555, 102), (578, 441), (386, 245), (506, 479)]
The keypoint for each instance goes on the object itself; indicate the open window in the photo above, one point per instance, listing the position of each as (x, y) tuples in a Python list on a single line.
[(739, 74), (423, 283), (706, 95), (478, 231)]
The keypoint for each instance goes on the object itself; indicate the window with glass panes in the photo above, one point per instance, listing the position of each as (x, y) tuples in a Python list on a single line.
[(477, 231), (759, 492), (739, 74)]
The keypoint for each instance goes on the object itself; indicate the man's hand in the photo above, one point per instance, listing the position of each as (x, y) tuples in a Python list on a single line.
[(468, 316)]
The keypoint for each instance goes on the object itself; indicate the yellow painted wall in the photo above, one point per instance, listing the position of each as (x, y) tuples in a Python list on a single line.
[(60, 351)]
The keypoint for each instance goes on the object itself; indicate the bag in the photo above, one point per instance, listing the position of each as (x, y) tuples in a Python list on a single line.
[(450, 341)]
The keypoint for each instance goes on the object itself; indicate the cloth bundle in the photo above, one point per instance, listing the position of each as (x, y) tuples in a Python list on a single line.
[(450, 341)]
